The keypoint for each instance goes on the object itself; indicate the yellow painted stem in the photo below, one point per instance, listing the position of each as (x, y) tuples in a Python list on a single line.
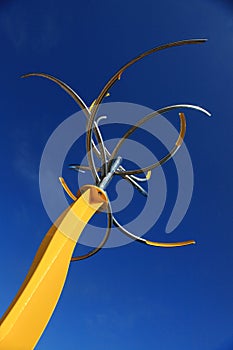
[(27, 316)]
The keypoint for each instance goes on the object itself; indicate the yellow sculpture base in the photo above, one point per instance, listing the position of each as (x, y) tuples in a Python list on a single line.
[(27, 316)]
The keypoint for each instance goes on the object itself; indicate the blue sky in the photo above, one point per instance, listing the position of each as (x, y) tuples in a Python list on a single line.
[(131, 297)]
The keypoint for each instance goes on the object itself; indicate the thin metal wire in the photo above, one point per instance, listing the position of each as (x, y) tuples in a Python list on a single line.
[(151, 243), (177, 145), (144, 120), (116, 77), (106, 157), (102, 153), (116, 222), (138, 238), (83, 168), (130, 178), (105, 154)]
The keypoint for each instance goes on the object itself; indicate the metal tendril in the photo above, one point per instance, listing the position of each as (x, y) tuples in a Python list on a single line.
[(110, 165)]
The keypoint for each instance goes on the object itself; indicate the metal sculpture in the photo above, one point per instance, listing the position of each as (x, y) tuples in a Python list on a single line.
[(27, 316)]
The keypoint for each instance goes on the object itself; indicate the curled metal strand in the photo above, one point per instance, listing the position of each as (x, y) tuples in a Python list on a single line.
[(144, 120), (151, 243), (118, 74), (136, 178), (102, 153), (87, 112), (139, 179), (104, 91), (122, 171), (132, 179), (100, 118), (67, 189), (116, 77), (112, 219), (65, 87), (79, 167)]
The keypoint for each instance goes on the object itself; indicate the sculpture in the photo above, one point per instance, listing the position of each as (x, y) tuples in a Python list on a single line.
[(27, 316)]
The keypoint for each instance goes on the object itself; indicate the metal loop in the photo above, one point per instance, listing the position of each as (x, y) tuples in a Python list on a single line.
[(116, 77), (106, 157), (144, 120)]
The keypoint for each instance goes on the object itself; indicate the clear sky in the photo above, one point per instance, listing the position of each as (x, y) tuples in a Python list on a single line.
[(133, 297)]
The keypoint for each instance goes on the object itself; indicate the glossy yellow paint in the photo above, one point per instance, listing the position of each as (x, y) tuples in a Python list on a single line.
[(27, 316), (170, 244), (148, 175), (66, 189)]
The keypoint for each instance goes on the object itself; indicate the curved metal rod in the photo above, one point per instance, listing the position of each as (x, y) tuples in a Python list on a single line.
[(84, 168), (142, 179), (144, 120), (138, 179), (92, 123), (102, 154), (104, 240), (104, 92), (65, 87), (116, 77), (67, 189), (79, 167), (111, 219), (130, 178), (152, 243), (118, 74)]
